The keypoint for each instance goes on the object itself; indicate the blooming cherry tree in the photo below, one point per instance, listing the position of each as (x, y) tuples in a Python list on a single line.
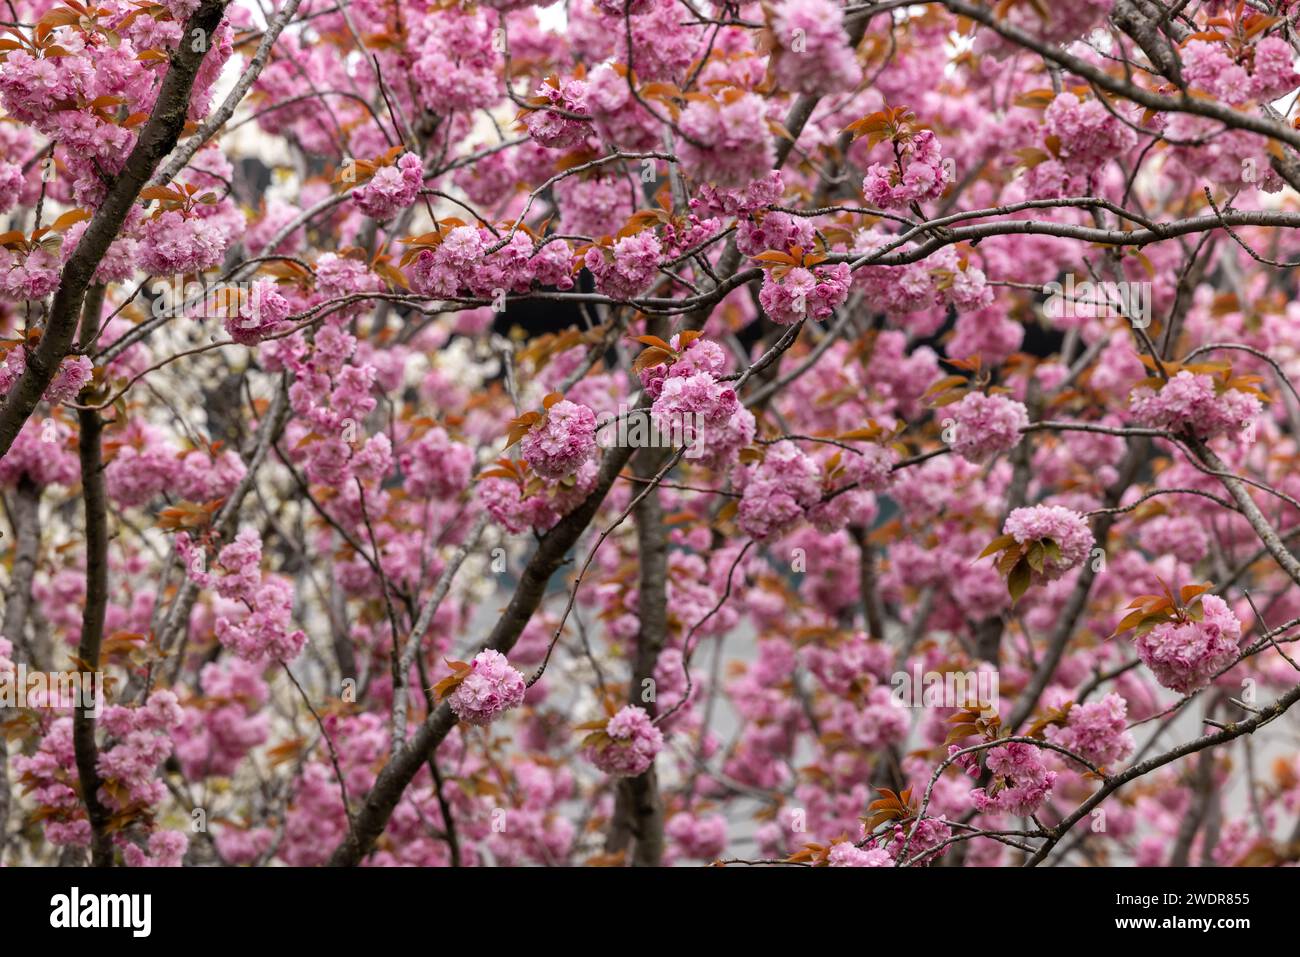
[(646, 432)]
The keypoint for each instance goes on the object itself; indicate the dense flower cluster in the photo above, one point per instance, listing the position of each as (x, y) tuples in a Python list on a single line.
[(702, 838), (848, 854), (392, 188), (435, 465), (490, 688), (1096, 730), (174, 244), (1082, 136), (221, 728), (628, 269), (690, 400), (1186, 655), (1021, 782), (1191, 402), (918, 175), (986, 425), (1270, 75), (525, 501), (553, 125), (777, 491), (258, 624), (631, 745), (726, 140), (562, 441), (1066, 528), (265, 312), (805, 293), (462, 265), (813, 55), (127, 769), (672, 367)]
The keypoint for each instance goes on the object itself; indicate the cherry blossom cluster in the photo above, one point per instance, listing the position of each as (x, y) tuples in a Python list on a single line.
[(490, 687), (631, 432)]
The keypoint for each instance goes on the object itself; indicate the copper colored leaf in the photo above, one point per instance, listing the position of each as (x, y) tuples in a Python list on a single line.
[(651, 357), (70, 218)]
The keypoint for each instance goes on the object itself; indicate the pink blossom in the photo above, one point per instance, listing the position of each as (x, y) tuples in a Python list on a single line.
[(776, 492), (490, 688), (215, 738), (1096, 730), (173, 245), (72, 376), (264, 632), (628, 269), (987, 425), (392, 188), (262, 314), (1066, 528), (929, 834), (1190, 401), (165, 849), (518, 506), (813, 55), (616, 115), (44, 451), (1182, 536), (11, 185), (456, 59), (562, 441), (31, 275), (923, 175), (1087, 135), (1186, 655), (633, 741), (729, 141), (555, 129), (847, 854), (805, 293), (1021, 782), (437, 466), (702, 837)]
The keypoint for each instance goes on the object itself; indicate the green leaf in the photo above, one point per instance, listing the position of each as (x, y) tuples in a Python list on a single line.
[(1149, 622), (1035, 557), (999, 543), (1018, 580)]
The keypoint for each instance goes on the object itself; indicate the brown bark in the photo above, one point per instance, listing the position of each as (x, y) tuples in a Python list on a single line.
[(96, 602), (25, 518), (639, 814), (157, 139), (554, 545), (373, 817)]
